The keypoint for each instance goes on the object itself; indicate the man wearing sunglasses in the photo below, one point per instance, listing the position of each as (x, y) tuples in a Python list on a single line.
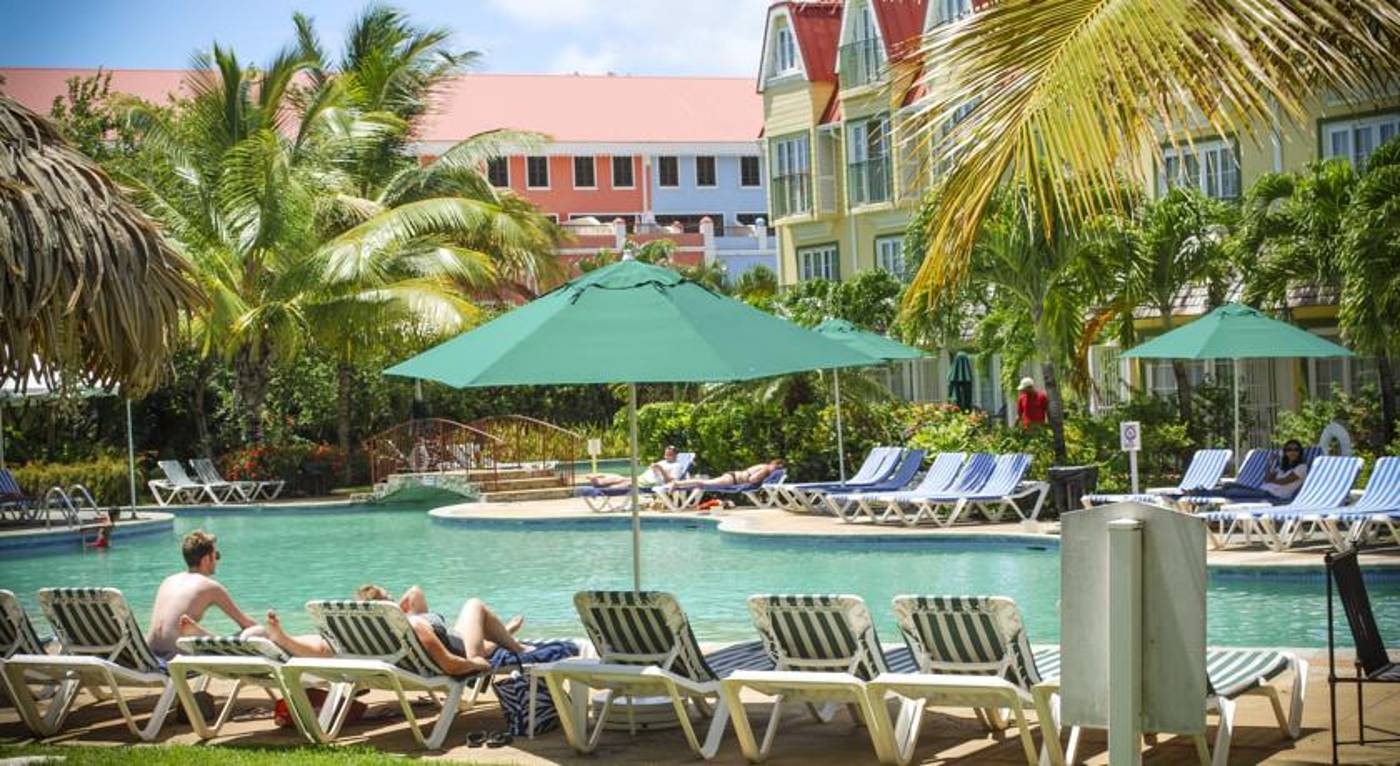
[(184, 597)]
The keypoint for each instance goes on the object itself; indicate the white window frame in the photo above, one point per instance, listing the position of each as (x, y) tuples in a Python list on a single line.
[(506, 162), (573, 167), (1342, 138), (758, 171), (819, 262), (945, 11), (889, 255), (792, 155), (785, 60), (660, 179), (1208, 176), (528, 159), (631, 171), (714, 171)]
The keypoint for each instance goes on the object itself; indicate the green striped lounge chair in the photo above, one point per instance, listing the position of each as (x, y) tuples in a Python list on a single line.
[(17, 634), (376, 648), (102, 648), (645, 648), (825, 651), (1204, 472), (253, 661), (985, 635)]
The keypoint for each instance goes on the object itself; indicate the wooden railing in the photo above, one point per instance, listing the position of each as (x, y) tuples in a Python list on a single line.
[(524, 442), (428, 445)]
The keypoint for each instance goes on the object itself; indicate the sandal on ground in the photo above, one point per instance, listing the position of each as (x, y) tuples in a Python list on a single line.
[(499, 739), (477, 738)]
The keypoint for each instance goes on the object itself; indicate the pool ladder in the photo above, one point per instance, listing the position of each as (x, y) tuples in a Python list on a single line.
[(71, 503)]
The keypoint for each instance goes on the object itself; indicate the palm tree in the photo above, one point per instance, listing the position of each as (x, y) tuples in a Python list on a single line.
[(255, 206), (1370, 303), (1084, 87), (90, 287)]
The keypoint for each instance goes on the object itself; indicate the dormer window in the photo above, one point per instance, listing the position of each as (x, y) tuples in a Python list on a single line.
[(784, 52), (860, 55), (951, 10)]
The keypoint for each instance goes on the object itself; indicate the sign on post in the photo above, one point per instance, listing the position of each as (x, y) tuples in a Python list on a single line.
[(595, 448), (1130, 441)]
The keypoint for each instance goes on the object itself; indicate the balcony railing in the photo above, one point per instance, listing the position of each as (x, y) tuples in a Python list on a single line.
[(868, 182), (792, 194), (860, 63)]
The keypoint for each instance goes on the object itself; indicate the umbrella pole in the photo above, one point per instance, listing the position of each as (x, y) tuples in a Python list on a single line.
[(1236, 385), (840, 442), (636, 504), (130, 459), (2, 436)]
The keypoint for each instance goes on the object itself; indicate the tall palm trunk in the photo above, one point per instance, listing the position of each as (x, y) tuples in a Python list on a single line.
[(1055, 403), (253, 373), (345, 380), (202, 371), (1387, 379), (1183, 379)]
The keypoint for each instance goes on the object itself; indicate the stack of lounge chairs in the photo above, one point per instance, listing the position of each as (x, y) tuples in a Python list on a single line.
[(954, 487), (178, 487)]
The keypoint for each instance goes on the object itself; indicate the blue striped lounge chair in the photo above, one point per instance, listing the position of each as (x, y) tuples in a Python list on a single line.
[(689, 497), (904, 472), (252, 661), (1204, 472), (1002, 489), (986, 634), (1327, 485), (907, 507), (376, 648), (1378, 506), (12, 496), (968, 651), (646, 648), (878, 465), (941, 475), (247, 490), (1251, 474), (102, 648), (825, 651), (610, 499), (177, 486)]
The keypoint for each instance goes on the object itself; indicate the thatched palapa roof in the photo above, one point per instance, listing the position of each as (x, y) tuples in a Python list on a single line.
[(86, 282)]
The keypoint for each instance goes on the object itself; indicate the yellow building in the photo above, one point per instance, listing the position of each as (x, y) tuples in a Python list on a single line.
[(842, 191)]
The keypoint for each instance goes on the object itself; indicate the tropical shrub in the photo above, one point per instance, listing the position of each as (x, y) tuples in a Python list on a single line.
[(1359, 414), (105, 477), (306, 467)]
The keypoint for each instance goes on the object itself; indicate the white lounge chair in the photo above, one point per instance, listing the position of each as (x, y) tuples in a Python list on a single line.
[(879, 463), (248, 489), (1204, 472), (1000, 492), (254, 662), (1326, 486), (645, 649), (825, 651), (17, 635), (941, 475), (609, 499), (103, 649), (178, 486), (376, 648)]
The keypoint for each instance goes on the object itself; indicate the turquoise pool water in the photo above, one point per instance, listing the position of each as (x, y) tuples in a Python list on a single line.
[(282, 559)]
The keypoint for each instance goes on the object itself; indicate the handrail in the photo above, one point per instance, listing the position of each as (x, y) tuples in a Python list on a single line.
[(537, 444), (431, 444), (70, 514), (532, 421)]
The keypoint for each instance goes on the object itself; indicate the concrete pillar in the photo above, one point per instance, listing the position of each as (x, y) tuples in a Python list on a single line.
[(707, 234), (619, 234), (760, 232)]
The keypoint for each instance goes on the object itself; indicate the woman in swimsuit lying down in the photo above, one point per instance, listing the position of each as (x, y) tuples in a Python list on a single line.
[(751, 475)]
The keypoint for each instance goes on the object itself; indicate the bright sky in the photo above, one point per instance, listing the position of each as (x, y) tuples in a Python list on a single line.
[(672, 37)]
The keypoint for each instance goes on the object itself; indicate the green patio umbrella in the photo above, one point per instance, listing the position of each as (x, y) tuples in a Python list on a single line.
[(960, 381), (874, 345), (628, 323), (1236, 332)]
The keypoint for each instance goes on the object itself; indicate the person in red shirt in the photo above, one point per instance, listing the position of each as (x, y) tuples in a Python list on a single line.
[(1031, 405)]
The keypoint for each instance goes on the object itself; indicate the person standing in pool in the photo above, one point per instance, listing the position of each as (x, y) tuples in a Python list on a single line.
[(465, 646)]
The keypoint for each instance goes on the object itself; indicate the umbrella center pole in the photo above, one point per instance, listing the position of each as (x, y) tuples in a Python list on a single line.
[(636, 503), (840, 442)]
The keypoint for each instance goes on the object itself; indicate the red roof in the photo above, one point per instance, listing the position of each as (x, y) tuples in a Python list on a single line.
[(817, 24), (832, 111), (901, 25), (578, 108)]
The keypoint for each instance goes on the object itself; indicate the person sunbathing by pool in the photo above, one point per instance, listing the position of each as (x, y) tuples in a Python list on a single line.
[(466, 645), (663, 471), (184, 597), (751, 475)]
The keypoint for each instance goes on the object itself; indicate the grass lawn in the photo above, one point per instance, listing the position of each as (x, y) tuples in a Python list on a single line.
[(215, 755)]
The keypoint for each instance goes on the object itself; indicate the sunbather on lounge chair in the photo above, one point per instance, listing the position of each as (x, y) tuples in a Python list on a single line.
[(664, 471), (1281, 480), (466, 645), (751, 475)]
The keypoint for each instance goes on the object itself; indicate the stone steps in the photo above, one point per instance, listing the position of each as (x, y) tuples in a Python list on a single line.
[(521, 495), (548, 481)]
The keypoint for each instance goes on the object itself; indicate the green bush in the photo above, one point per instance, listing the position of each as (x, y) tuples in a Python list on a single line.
[(306, 468), (104, 476)]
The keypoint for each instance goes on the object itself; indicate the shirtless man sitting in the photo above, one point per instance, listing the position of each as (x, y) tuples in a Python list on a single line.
[(751, 475), (466, 646)]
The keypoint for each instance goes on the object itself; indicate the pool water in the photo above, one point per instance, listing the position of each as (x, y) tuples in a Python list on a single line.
[(283, 559)]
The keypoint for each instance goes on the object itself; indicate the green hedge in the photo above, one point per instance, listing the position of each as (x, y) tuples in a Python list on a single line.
[(105, 477)]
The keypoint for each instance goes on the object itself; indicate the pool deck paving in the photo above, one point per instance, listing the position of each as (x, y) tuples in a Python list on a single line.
[(949, 735)]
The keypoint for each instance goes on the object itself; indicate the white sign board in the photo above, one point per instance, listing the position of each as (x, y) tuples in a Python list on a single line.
[(595, 447), (1173, 609), (1130, 436)]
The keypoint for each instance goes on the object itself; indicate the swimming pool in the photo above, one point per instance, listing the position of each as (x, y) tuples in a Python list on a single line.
[(281, 559)]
